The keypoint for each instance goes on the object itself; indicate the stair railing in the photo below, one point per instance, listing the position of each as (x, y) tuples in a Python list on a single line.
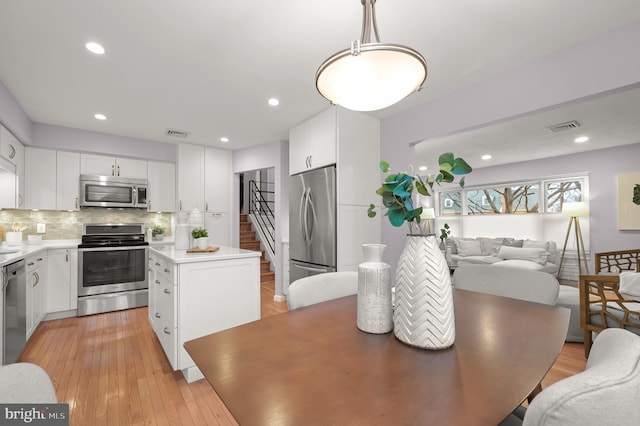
[(261, 206)]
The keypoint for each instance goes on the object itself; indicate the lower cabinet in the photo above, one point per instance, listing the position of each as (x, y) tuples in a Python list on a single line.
[(63, 280), (191, 300), (36, 270)]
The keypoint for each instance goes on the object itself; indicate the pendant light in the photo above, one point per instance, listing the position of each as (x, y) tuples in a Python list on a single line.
[(371, 76)]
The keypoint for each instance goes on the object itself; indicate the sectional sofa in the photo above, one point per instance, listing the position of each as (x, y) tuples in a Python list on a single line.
[(525, 254)]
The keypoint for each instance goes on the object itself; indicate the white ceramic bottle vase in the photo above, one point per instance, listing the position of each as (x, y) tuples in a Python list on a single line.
[(375, 311)]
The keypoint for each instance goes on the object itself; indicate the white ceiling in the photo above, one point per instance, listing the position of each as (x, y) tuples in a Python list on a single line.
[(209, 66)]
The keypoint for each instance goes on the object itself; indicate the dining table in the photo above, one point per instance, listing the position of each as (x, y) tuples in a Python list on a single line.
[(313, 366)]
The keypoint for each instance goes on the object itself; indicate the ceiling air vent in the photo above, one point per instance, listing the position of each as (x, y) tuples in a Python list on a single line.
[(176, 133), (573, 124)]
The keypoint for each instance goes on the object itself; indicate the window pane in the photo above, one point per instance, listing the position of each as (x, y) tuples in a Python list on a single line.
[(450, 203), (506, 200), (561, 192)]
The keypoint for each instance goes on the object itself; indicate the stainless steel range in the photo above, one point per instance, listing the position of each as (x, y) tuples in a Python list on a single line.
[(112, 268)]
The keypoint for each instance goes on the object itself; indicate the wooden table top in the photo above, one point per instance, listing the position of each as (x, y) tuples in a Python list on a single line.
[(313, 366)]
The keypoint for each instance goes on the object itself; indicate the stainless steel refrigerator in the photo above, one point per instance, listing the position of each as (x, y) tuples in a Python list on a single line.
[(312, 223)]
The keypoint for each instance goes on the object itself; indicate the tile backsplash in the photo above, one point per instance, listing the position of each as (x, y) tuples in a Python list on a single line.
[(64, 225)]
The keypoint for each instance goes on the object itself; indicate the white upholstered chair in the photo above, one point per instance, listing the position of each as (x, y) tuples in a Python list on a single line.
[(320, 288), (516, 283), (24, 382), (606, 393)]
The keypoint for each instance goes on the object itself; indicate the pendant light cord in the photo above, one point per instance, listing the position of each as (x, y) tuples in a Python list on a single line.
[(368, 21)]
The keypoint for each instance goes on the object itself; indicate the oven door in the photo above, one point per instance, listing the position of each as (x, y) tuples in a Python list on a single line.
[(112, 269)]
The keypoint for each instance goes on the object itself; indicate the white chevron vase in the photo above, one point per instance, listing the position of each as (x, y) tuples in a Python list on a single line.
[(423, 315)]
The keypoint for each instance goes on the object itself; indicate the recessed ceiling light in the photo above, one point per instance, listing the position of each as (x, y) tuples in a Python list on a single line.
[(274, 102), (581, 139), (422, 168), (100, 117), (224, 139), (486, 157), (94, 48)]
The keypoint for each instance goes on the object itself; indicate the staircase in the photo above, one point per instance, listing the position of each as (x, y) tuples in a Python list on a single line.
[(248, 241)]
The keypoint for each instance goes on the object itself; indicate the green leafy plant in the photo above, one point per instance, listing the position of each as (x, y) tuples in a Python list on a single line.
[(445, 231), (397, 190), (199, 233), (157, 230)]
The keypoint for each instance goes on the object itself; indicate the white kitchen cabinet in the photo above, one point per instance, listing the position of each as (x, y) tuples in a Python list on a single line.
[(190, 177), (217, 195), (163, 305), (13, 151), (103, 165), (312, 144), (67, 180), (8, 184), (199, 297), (36, 271), (40, 178), (162, 186), (62, 294)]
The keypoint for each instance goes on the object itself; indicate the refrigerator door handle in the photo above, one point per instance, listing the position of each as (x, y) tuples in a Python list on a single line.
[(314, 218), (303, 230), (310, 269)]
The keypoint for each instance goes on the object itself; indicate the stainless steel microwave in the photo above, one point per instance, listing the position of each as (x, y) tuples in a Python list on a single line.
[(116, 192)]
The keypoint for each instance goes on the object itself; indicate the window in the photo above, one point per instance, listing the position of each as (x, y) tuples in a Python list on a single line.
[(504, 200), (515, 197), (561, 191)]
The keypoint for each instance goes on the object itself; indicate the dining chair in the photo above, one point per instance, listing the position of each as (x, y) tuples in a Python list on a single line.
[(320, 288), (24, 382), (516, 283), (616, 261), (603, 306), (605, 393)]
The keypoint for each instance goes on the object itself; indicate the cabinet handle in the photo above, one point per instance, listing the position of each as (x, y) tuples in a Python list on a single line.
[(157, 315), (13, 152), (157, 281), (37, 277), (157, 264), (113, 173), (166, 290), (66, 256), (77, 203), (166, 330), (149, 205), (20, 200), (40, 259), (167, 270), (118, 170), (30, 264), (180, 208)]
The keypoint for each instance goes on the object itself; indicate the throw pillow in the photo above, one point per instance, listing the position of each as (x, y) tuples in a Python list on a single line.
[(630, 284), (469, 248), (512, 242), (537, 255)]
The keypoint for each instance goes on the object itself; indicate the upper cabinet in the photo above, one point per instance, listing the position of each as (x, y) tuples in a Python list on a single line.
[(313, 143), (40, 178), (68, 181), (13, 151), (102, 165), (162, 186), (217, 181), (190, 177)]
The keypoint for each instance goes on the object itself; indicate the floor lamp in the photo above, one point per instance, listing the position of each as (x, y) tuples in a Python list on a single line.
[(574, 211)]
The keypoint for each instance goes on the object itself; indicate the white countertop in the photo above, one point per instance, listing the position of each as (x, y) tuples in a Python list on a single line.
[(181, 256), (10, 254)]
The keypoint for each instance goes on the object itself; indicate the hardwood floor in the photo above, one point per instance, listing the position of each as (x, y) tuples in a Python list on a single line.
[(111, 370)]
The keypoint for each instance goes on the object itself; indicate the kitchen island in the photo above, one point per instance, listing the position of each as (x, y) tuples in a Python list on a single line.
[(195, 294)]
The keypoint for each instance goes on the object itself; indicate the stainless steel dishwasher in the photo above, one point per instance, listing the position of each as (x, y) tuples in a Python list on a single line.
[(14, 321)]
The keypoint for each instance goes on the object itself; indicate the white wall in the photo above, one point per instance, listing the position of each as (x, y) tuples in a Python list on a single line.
[(270, 155), (595, 66)]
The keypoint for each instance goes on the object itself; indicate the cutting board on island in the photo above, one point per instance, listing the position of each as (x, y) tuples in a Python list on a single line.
[(209, 249)]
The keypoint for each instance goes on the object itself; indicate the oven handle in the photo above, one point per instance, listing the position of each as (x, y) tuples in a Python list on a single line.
[(111, 248)]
